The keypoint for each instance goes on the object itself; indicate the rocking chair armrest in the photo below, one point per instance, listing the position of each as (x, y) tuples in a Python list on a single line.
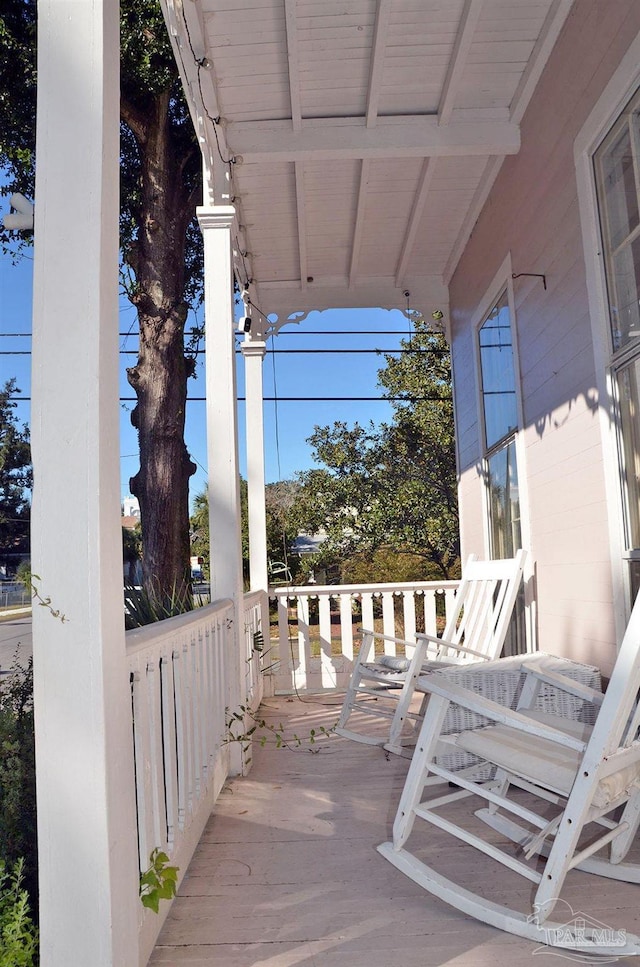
[(368, 639), (438, 684), (443, 643), (383, 637), (561, 681)]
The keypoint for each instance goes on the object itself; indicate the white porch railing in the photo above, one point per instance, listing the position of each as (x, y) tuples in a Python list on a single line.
[(256, 642), (315, 645), (179, 671), (179, 688)]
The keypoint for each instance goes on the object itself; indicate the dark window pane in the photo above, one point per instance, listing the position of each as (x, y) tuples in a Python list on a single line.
[(498, 376)]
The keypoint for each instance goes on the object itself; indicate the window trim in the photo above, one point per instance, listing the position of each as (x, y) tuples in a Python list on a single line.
[(601, 120), (501, 282)]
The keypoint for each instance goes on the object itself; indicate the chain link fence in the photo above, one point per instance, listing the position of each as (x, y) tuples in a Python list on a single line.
[(14, 595)]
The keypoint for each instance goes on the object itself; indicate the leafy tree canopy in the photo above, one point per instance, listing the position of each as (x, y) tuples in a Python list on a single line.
[(161, 249), (15, 475), (17, 105), (279, 500), (391, 487)]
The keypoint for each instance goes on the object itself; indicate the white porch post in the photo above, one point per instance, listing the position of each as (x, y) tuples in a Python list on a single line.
[(222, 436), (254, 353), (85, 779)]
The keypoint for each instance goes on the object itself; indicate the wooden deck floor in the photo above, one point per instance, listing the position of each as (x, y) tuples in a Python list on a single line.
[(287, 874)]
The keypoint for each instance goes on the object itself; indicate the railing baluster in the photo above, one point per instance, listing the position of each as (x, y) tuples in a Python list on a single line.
[(328, 675), (430, 614), (367, 611), (142, 758), (346, 625), (288, 651), (154, 721), (409, 615), (304, 640), (449, 603), (181, 742), (169, 747), (388, 621)]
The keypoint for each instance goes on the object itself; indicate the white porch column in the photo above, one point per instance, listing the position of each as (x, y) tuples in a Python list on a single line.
[(89, 901), (254, 353), (222, 436)]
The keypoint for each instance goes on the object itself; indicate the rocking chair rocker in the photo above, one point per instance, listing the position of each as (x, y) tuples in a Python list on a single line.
[(382, 687), (584, 799)]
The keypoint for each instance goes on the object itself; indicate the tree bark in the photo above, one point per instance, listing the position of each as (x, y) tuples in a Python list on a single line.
[(160, 375)]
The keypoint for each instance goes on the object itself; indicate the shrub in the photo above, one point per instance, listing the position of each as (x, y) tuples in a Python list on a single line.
[(18, 835), (18, 934)]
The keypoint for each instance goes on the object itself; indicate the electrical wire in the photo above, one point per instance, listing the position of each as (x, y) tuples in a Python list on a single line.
[(214, 121), (298, 399)]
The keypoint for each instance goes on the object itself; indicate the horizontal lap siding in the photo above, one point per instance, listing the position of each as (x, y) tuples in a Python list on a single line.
[(532, 212)]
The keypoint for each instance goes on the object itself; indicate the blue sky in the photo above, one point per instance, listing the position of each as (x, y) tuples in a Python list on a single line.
[(313, 374)]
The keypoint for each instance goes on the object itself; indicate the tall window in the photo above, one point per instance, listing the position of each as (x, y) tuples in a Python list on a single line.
[(500, 412), (617, 176), (500, 424)]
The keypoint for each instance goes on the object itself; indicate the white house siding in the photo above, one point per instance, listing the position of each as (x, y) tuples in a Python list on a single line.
[(532, 213)]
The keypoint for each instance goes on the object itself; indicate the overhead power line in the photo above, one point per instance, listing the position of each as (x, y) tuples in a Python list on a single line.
[(300, 399)]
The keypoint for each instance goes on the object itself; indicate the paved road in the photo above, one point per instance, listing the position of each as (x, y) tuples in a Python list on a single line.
[(15, 635)]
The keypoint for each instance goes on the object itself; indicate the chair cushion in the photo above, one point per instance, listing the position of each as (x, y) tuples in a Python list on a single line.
[(542, 761), (394, 662)]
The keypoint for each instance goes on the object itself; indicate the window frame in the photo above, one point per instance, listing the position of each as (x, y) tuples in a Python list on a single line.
[(596, 128), (503, 283)]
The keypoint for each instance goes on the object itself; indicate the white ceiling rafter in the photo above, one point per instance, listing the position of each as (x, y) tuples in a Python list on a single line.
[(481, 194), (320, 90), (293, 63), (377, 60), (553, 23), (358, 231), (408, 136), (187, 32), (302, 225), (419, 203), (464, 38)]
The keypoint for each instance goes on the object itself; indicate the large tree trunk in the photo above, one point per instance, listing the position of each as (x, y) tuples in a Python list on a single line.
[(160, 375)]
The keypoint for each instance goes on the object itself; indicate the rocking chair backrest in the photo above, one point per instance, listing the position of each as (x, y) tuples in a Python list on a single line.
[(619, 716), (484, 605)]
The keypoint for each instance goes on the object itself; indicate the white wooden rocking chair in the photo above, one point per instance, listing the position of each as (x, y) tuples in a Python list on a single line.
[(582, 810), (382, 687)]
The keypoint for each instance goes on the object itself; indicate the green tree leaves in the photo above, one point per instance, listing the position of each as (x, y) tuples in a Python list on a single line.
[(15, 476), (392, 487)]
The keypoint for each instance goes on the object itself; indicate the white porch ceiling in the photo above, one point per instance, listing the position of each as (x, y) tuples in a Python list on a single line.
[(357, 139)]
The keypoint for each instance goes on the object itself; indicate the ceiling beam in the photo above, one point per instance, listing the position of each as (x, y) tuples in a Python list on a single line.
[(286, 300), (420, 200), (487, 179), (377, 60), (292, 59), (554, 21), (302, 225), (457, 63), (359, 226), (347, 138)]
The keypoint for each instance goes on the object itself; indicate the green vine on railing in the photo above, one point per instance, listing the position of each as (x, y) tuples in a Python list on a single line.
[(159, 882)]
